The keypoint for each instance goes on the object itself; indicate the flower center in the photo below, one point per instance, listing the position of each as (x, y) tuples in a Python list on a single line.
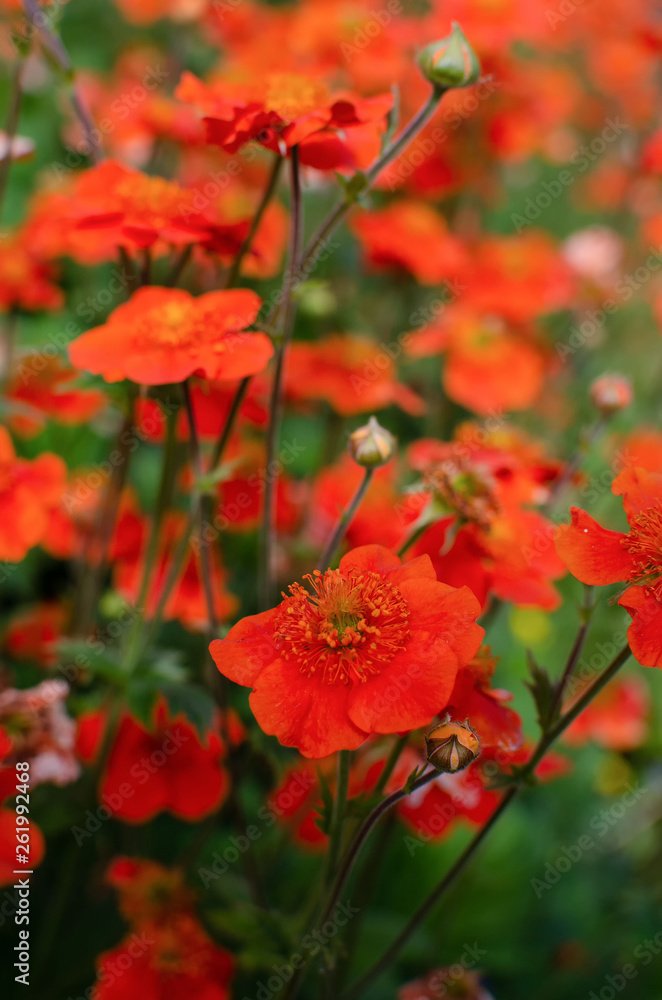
[(150, 197), (644, 542), (346, 629), (170, 325), (292, 96), (462, 490)]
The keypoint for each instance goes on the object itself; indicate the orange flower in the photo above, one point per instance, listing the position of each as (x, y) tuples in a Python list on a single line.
[(412, 236), (518, 278), (352, 373), (489, 367), (372, 647), (29, 491), (164, 335), (600, 557), (129, 208), (286, 109), (33, 631), (45, 386), (26, 277), (617, 718), (485, 537)]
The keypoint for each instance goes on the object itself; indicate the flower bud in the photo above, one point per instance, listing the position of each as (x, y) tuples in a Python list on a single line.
[(611, 393), (372, 445), (450, 62), (451, 746)]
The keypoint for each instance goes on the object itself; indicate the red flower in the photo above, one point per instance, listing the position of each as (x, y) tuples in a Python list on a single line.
[(411, 236), (164, 335), (29, 491), (164, 769), (32, 632), (8, 827), (473, 698), (168, 960), (372, 647), (600, 557), (26, 278), (490, 366), (351, 373), (486, 538), (617, 718), (283, 110), (49, 392)]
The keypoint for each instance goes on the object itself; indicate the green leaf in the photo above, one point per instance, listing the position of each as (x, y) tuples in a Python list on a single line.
[(325, 813), (544, 692), (141, 696), (191, 701)]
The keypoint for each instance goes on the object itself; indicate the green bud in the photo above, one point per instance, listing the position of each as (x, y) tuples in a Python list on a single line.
[(450, 62), (372, 445)]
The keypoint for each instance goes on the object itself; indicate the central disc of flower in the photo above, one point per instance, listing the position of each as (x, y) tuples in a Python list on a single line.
[(644, 542), (153, 198), (169, 325), (347, 629), (292, 96), (464, 491)]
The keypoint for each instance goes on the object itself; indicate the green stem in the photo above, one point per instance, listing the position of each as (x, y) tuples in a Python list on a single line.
[(414, 537), (272, 184), (198, 510), (177, 560), (346, 518), (224, 437), (546, 740), (11, 126), (166, 485), (391, 761), (55, 47), (339, 807), (178, 266), (391, 153), (276, 407)]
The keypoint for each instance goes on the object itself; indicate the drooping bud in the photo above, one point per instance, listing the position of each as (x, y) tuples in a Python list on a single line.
[(372, 445), (611, 393), (450, 62), (451, 746)]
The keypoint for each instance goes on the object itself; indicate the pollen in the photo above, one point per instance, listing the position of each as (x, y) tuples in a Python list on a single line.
[(292, 96), (345, 627), (644, 542)]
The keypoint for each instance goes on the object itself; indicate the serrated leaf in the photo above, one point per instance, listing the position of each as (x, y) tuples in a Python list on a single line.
[(543, 690), (191, 701), (82, 655), (141, 696), (354, 187)]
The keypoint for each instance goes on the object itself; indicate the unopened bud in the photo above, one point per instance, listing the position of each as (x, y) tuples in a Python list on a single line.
[(611, 393), (372, 445), (451, 746), (450, 62)]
